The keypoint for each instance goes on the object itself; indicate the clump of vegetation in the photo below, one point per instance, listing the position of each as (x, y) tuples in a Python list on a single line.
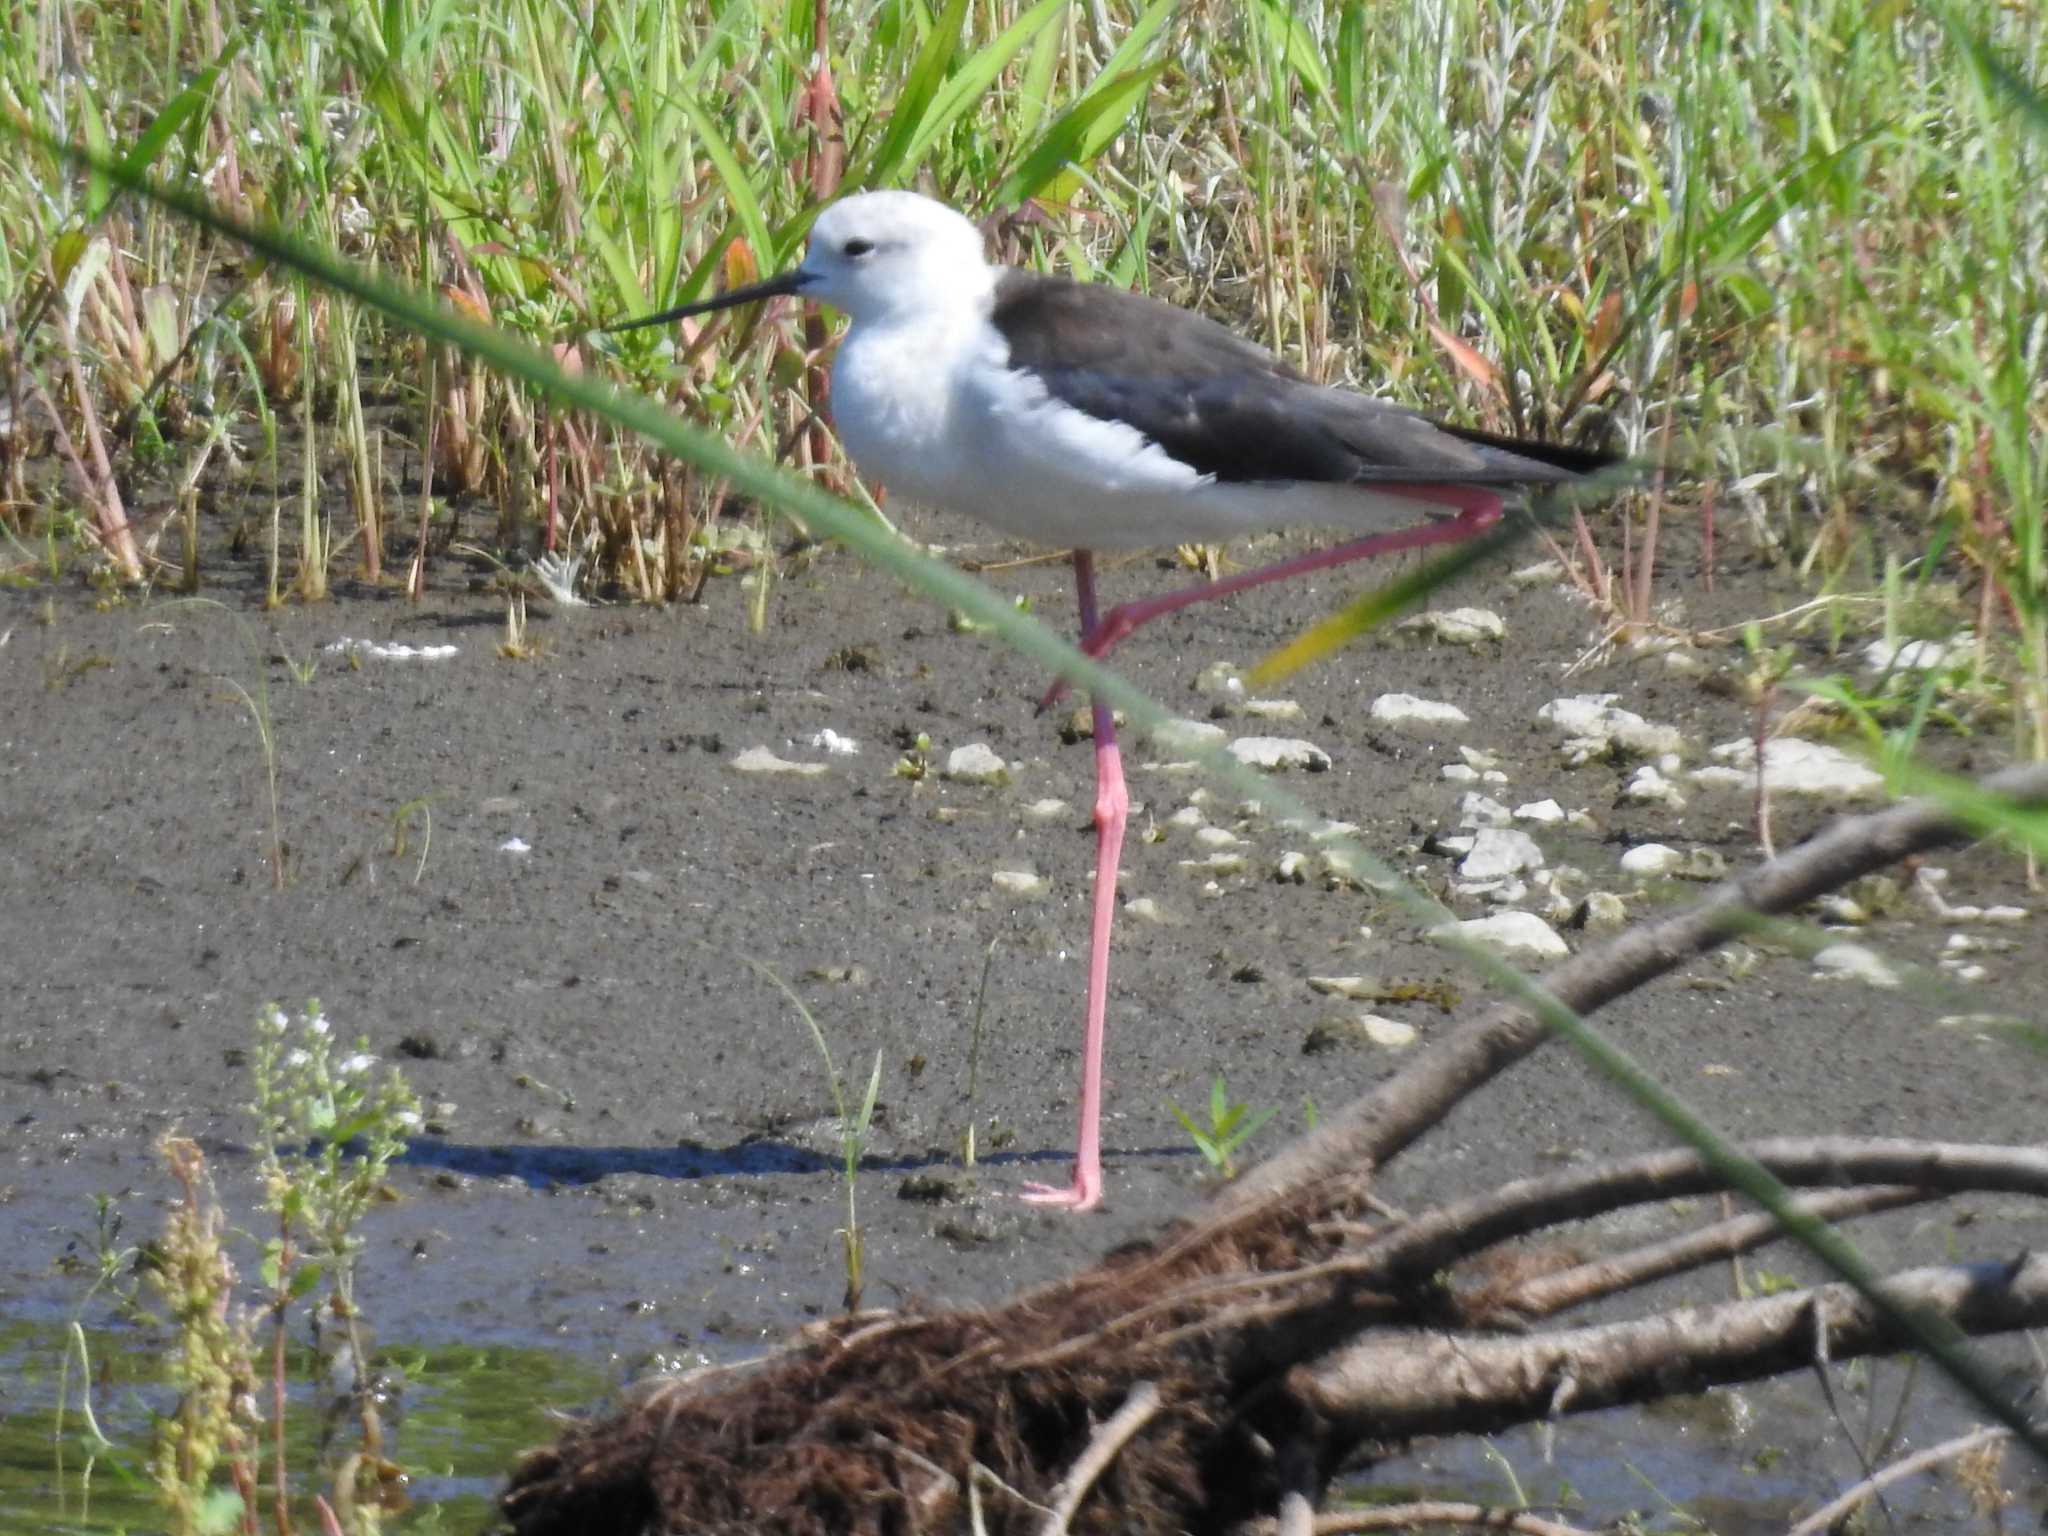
[(1230, 1126), (328, 1127)]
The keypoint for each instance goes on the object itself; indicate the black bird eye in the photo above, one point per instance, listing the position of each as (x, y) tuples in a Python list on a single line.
[(857, 247)]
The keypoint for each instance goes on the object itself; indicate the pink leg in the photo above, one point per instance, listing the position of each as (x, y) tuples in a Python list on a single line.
[(1111, 806), (1477, 511)]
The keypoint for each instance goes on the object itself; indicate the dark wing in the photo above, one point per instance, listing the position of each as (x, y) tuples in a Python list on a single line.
[(1233, 410)]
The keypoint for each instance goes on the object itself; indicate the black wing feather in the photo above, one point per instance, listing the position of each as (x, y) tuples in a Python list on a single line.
[(1233, 410)]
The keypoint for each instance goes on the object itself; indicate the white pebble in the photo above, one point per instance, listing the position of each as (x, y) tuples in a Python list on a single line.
[(761, 760), (1652, 859), (1425, 717), (1186, 735), (1274, 753), (1498, 852), (1511, 935), (1019, 882), (975, 763), (1854, 962), (1543, 812), (1458, 626)]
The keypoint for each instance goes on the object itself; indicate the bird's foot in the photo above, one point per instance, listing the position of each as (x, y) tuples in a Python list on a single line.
[(1081, 1195)]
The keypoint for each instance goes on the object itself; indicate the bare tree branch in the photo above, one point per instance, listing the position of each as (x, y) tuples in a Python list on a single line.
[(1397, 1384), (1441, 1237), (1547, 1295)]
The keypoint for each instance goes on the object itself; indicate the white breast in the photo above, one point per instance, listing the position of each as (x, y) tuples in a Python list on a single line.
[(930, 407)]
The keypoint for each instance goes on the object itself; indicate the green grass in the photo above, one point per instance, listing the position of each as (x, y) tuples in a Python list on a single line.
[(1789, 249)]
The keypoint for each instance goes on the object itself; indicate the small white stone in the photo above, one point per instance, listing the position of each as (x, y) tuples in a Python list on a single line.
[(1291, 868), (1477, 810), (1593, 726), (1217, 837), (1220, 678), (1649, 787), (1792, 766), (761, 760), (1498, 852), (1274, 753), (1651, 860), (1391, 1034), (1854, 962), (1458, 626), (975, 763), (1420, 717), (1461, 773), (1272, 709), (1356, 988), (1542, 574), (1216, 864), (1187, 818), (515, 845), (1546, 813), (1326, 831), (1181, 736), (1511, 935), (1146, 910), (1019, 882), (1582, 821), (1916, 655), (833, 744), (1048, 809), (2005, 914), (1344, 869), (1605, 910), (1478, 757)]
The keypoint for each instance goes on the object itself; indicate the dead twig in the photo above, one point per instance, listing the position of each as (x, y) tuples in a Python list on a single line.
[(1139, 1409), (1831, 1513)]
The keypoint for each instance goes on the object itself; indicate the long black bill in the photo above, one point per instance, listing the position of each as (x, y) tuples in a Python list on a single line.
[(774, 287)]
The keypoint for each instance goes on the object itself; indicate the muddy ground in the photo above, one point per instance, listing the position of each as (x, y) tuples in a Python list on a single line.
[(630, 1152)]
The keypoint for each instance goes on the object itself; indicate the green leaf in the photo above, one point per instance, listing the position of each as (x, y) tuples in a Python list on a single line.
[(920, 88), (745, 206), (1079, 135), (178, 111), (971, 82)]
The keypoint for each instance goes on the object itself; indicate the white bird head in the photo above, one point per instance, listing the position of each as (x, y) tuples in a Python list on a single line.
[(873, 255)]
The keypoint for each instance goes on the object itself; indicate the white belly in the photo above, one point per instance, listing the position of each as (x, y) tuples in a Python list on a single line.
[(977, 438)]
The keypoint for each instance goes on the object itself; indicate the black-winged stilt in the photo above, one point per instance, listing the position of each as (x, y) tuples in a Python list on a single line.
[(1081, 416)]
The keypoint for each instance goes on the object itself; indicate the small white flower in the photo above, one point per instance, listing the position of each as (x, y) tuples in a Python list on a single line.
[(296, 1057), (408, 1119), (361, 1062), (317, 1024)]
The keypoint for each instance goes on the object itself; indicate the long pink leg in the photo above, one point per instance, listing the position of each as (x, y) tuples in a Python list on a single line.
[(1112, 805), (1477, 511)]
